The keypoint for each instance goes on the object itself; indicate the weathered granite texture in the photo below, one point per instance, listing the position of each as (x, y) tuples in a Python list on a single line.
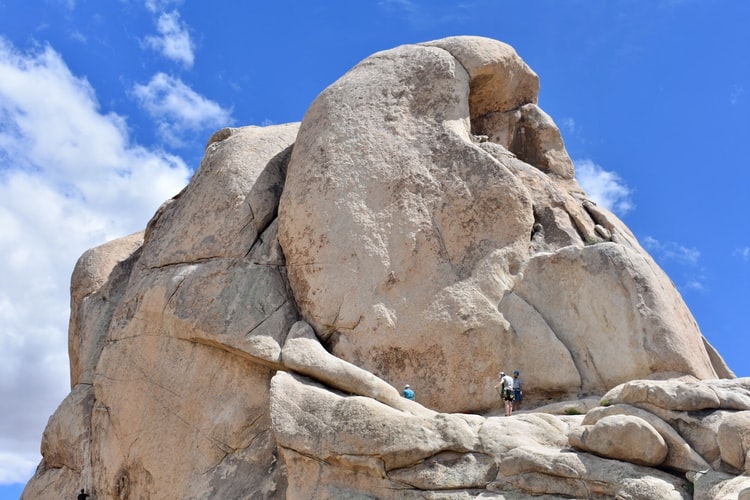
[(422, 224)]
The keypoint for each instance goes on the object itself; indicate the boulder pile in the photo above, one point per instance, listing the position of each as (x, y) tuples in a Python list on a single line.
[(421, 225)]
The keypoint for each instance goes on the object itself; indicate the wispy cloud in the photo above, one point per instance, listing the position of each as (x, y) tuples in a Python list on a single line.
[(409, 6), (568, 125), (687, 260), (78, 36), (670, 250), (70, 179), (422, 15), (68, 4), (743, 253), (604, 187), (161, 5), (179, 110), (735, 95), (693, 284), (174, 40)]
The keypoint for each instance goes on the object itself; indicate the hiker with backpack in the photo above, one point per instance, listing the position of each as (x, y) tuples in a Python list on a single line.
[(505, 388)]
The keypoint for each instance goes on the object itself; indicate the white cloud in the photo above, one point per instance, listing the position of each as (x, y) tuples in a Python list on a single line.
[(404, 5), (743, 253), (78, 36), (569, 125), (670, 250), (422, 15), (693, 284), (70, 179), (669, 253), (604, 187), (178, 109), (160, 5), (735, 94), (68, 4), (174, 40)]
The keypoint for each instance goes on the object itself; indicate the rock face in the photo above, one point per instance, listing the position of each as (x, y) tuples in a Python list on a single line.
[(423, 225), (411, 245)]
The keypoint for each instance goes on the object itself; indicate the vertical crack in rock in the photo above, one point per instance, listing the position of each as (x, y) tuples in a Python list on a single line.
[(443, 247), (251, 222)]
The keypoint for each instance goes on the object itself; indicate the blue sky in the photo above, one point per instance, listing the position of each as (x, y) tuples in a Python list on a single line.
[(105, 108)]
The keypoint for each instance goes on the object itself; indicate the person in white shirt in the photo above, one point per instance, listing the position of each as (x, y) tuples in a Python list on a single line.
[(505, 387)]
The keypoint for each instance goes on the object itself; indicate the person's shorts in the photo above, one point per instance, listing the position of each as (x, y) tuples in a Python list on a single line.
[(508, 396), (517, 394)]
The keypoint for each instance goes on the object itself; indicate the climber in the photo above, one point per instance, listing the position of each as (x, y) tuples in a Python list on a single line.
[(82, 495), (505, 388), (408, 392)]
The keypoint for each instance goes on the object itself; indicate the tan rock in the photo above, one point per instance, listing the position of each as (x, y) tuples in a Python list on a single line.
[(734, 440), (622, 437), (537, 471), (322, 441), (572, 407), (631, 312), (67, 438), (303, 354), (500, 435), (414, 222), (666, 394), (712, 485), (230, 201), (733, 393), (449, 470), (213, 270), (316, 422), (507, 82), (680, 456), (686, 405), (699, 429), (178, 340), (174, 419), (426, 248), (98, 281), (720, 366), (531, 135), (52, 484), (430, 231)]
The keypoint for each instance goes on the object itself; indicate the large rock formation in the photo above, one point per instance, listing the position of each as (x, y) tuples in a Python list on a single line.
[(409, 242), (422, 224)]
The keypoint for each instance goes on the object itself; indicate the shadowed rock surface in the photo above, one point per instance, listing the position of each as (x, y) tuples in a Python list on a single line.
[(423, 225)]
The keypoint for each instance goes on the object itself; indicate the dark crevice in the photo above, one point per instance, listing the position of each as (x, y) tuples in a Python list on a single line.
[(571, 352), (268, 316), (199, 260), (597, 216), (441, 241)]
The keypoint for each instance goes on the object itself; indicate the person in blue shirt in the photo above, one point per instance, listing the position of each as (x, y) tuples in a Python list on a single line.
[(517, 390), (408, 392)]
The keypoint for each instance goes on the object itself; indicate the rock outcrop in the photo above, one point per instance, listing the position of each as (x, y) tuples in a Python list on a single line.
[(422, 224), (406, 239)]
